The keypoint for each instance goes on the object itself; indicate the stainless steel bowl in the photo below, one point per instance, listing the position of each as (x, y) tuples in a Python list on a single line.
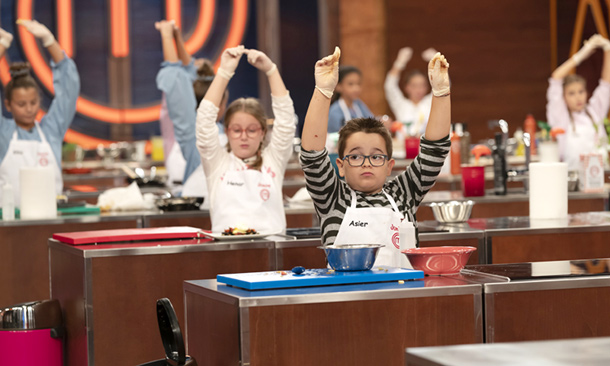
[(452, 212), (351, 257)]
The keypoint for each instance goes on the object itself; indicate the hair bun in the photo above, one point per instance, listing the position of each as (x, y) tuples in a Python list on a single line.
[(205, 69), (19, 69)]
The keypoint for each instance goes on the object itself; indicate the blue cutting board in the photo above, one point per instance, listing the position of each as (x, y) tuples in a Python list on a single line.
[(316, 277)]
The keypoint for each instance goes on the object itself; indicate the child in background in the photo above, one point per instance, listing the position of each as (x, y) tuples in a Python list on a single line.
[(567, 106), (245, 180), (25, 142), (346, 103), (183, 85), (412, 110), (365, 209)]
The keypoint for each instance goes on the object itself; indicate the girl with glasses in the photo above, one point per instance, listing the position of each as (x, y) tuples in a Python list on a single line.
[(245, 179)]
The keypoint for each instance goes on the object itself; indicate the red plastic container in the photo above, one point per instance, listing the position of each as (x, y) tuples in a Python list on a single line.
[(439, 260), (411, 147), (473, 181)]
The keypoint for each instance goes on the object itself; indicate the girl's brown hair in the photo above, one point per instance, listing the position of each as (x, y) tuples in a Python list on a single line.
[(20, 78), (205, 75), (573, 78), (252, 107)]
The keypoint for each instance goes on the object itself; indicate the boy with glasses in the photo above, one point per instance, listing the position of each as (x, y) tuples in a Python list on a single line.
[(365, 209)]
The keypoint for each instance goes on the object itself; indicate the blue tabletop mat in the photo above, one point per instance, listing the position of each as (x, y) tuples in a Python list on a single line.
[(316, 277)]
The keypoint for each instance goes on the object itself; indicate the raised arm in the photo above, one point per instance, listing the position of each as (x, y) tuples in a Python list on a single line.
[(585, 51), (166, 28), (262, 62), (228, 63), (316, 120), (43, 33), (440, 114), (604, 43), (403, 58), (5, 41), (183, 55)]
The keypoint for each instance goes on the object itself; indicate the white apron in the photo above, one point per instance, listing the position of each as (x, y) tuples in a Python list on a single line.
[(175, 164), (248, 198), (346, 114), (28, 153), (576, 143), (374, 225), (196, 186)]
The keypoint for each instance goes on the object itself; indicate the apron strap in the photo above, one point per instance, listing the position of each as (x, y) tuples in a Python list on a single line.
[(346, 113), (42, 138), (392, 202)]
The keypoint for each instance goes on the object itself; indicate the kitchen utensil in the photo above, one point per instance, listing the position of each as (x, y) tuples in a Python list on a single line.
[(351, 257), (439, 260), (319, 277), (452, 212), (130, 173), (179, 203), (139, 172)]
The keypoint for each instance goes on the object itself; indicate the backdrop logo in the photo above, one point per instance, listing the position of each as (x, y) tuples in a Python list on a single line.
[(118, 24)]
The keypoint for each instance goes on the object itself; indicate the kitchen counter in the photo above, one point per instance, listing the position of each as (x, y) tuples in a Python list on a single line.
[(546, 300), (108, 292), (589, 351), (367, 324)]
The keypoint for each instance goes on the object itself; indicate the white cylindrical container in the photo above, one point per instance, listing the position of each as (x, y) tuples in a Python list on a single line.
[(407, 240), (548, 190), (38, 197), (548, 152), (8, 202)]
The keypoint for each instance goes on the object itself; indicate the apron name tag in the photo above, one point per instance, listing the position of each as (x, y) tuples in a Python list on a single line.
[(239, 184), (358, 223)]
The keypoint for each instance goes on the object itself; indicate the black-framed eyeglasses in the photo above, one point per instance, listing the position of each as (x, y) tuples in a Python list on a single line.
[(357, 160)]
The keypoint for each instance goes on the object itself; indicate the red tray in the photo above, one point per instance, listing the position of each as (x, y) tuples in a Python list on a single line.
[(106, 236)]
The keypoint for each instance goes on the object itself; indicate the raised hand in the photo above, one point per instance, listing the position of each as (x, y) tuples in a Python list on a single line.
[(585, 51), (166, 27), (600, 41), (261, 61), (5, 38), (327, 73), (438, 73), (428, 54), (404, 56), (38, 30), (229, 61)]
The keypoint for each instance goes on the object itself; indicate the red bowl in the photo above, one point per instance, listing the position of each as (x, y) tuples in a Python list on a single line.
[(439, 260)]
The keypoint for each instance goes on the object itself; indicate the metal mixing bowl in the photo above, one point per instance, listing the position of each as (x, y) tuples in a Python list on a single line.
[(452, 212), (351, 257)]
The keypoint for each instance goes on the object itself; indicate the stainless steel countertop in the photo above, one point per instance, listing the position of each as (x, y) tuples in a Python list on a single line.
[(515, 225), (430, 286), (585, 351), (157, 247)]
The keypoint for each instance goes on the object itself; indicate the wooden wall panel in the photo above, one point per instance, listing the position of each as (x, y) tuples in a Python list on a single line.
[(499, 54)]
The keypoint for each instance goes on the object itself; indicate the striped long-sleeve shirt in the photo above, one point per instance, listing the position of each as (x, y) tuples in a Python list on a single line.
[(332, 197)]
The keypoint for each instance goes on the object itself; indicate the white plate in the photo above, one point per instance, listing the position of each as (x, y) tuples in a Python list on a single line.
[(219, 236)]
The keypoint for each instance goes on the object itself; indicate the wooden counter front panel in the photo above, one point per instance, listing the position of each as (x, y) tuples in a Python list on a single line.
[(359, 332), (308, 257), (212, 330), (549, 247), (25, 258), (549, 314), (125, 291)]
